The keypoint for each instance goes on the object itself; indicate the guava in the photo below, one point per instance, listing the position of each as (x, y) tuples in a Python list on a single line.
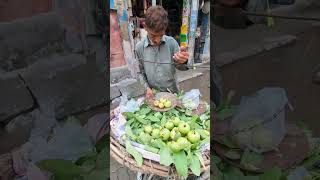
[(262, 139), (194, 146), (184, 128), (147, 129), (175, 147), (193, 136), (183, 142), (167, 104), (242, 139), (207, 123), (169, 125), (162, 100), (156, 103), (175, 134), (176, 121), (155, 133), (144, 138), (164, 134), (161, 105)]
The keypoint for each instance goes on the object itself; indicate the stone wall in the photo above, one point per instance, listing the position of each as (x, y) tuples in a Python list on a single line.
[(39, 73)]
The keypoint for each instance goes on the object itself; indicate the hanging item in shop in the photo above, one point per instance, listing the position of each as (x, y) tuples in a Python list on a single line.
[(185, 23), (192, 30)]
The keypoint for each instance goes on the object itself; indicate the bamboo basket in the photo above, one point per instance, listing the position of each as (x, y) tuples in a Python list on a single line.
[(119, 153), (6, 167)]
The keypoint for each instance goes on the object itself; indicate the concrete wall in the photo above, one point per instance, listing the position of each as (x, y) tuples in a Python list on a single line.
[(36, 76), (14, 9)]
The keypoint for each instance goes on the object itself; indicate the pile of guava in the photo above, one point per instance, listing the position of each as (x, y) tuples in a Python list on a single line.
[(174, 135), (162, 103)]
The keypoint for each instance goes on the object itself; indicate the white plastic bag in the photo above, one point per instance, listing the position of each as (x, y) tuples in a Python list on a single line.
[(128, 106), (191, 99), (259, 123)]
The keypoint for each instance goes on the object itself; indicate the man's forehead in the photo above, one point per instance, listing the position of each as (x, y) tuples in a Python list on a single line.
[(152, 32)]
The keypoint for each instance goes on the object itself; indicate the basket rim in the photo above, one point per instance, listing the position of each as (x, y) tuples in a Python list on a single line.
[(148, 166)]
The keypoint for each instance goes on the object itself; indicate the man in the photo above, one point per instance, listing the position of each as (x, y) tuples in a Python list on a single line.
[(158, 54)]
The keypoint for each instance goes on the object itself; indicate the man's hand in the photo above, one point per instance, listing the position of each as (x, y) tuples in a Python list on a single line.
[(149, 94), (182, 56)]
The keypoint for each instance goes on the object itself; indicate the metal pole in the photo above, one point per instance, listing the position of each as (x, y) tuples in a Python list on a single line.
[(193, 28), (154, 2)]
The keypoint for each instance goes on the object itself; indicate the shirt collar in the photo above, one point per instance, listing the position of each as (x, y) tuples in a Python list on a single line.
[(147, 41)]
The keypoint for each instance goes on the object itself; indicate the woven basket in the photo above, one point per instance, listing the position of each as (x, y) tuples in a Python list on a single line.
[(6, 167), (119, 153)]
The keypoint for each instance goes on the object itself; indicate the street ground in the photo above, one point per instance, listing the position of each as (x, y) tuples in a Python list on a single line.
[(287, 64)]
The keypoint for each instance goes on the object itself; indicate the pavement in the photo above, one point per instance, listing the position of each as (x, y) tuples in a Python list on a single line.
[(287, 64)]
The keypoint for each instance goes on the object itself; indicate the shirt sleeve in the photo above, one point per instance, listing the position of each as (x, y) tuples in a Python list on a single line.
[(176, 48), (141, 73)]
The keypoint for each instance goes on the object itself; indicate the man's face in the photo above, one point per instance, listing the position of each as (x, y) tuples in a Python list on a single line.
[(155, 37)]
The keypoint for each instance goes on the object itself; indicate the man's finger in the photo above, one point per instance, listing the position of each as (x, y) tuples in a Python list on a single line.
[(182, 56), (183, 49)]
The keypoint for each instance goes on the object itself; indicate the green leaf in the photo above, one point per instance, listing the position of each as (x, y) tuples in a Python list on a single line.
[(195, 165), (133, 152), (233, 154), (188, 112), (103, 159), (232, 173), (205, 141), (60, 167), (129, 132), (153, 119), (274, 174), (145, 111), (250, 159), (160, 144), (158, 115), (128, 115), (163, 120), (225, 140), (215, 159), (141, 120), (92, 156), (181, 163), (103, 142), (225, 113), (165, 156), (194, 125), (204, 117), (194, 118), (97, 174)]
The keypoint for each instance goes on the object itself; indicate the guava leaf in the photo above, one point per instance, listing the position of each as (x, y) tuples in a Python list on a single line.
[(153, 118), (145, 111), (163, 120), (89, 157), (128, 131), (97, 174), (274, 174), (71, 137), (233, 154), (250, 159), (181, 163), (133, 152), (204, 117), (103, 142), (165, 156), (60, 167), (195, 165), (103, 159)]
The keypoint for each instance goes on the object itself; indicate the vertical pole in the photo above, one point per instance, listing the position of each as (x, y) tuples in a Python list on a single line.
[(192, 30), (127, 37), (154, 2)]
